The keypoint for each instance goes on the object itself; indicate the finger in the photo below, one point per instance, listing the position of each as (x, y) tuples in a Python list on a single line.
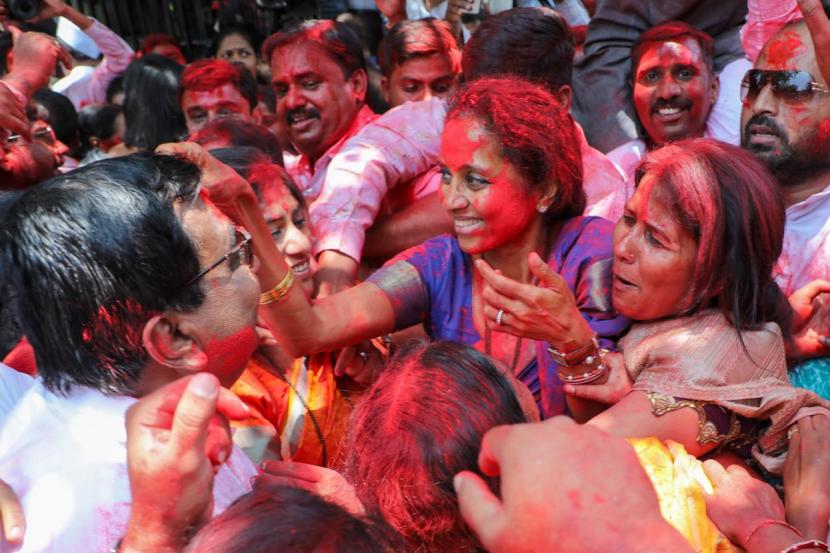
[(344, 359), (229, 405), (491, 449), (482, 510), (603, 393), (14, 30), (500, 301), (11, 511), (193, 414), (64, 58), (219, 443), (500, 283), (716, 473), (271, 480), (302, 471), (16, 122), (547, 276)]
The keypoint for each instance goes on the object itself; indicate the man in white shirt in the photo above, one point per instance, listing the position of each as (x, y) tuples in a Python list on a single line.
[(124, 279)]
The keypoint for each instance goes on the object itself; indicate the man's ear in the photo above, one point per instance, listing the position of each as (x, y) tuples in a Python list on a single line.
[(715, 88), (359, 82), (565, 94), (384, 88), (171, 343)]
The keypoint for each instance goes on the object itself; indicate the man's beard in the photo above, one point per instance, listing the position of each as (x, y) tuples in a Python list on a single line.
[(791, 164)]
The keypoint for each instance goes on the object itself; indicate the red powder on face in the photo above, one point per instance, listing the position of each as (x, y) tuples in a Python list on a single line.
[(227, 356), (782, 50)]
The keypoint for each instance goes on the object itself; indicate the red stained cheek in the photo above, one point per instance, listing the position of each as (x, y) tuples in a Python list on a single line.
[(782, 50), (228, 356)]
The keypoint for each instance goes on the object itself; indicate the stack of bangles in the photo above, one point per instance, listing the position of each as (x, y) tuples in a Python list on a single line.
[(585, 365), (800, 546), (279, 291)]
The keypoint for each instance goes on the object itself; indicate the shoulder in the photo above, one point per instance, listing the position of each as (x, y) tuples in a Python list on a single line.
[(586, 237), (440, 249)]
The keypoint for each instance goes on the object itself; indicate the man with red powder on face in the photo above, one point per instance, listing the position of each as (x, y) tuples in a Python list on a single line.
[(786, 123), (138, 282), (212, 89), (319, 76)]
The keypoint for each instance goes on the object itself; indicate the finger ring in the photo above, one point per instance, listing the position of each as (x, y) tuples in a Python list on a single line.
[(792, 432), (363, 355), (500, 317)]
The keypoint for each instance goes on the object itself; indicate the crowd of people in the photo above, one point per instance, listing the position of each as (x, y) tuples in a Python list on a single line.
[(446, 289)]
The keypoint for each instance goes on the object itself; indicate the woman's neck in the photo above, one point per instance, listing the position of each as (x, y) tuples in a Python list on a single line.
[(511, 258)]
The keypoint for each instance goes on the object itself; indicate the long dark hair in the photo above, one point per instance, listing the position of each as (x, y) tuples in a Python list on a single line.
[(152, 113)]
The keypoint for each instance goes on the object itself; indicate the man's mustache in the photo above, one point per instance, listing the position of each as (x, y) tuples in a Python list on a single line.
[(762, 120), (677, 103), (305, 113)]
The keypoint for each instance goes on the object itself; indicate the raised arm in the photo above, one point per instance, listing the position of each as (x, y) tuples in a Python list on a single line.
[(301, 327)]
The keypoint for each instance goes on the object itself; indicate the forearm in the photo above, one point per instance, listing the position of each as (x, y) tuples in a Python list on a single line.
[(76, 17), (420, 221), (583, 410), (335, 272), (812, 523), (342, 319), (774, 538)]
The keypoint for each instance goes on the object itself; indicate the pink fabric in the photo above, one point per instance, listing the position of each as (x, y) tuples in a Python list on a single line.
[(805, 255), (310, 179), (700, 357), (83, 86), (402, 145), (764, 19)]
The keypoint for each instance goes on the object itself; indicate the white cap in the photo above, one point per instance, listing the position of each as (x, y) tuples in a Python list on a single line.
[(72, 35)]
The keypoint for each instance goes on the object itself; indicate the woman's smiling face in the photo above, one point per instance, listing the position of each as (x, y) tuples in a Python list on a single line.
[(489, 201)]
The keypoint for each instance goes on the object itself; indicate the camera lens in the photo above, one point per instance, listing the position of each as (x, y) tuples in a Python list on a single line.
[(23, 9)]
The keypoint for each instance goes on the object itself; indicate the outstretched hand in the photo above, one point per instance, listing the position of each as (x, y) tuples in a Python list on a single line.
[(224, 185), (807, 477), (811, 321), (565, 488), (33, 60), (546, 311), (177, 438), (617, 386)]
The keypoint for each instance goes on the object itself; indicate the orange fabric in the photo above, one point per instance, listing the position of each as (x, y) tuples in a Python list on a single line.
[(280, 413)]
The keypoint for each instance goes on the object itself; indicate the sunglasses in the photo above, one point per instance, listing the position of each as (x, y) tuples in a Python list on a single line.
[(241, 254), (786, 85)]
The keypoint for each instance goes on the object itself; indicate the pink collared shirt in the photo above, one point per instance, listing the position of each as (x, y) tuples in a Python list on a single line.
[(310, 179), (400, 147), (87, 85)]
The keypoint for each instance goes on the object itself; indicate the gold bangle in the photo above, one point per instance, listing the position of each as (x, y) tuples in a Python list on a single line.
[(279, 290)]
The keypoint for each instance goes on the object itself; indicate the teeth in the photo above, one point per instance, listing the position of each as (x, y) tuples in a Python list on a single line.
[(467, 223), (300, 267), (669, 111)]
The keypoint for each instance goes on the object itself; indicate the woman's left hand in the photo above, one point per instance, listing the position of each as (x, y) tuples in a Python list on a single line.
[(544, 312)]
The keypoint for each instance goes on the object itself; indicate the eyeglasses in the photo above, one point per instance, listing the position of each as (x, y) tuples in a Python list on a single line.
[(45, 135), (241, 254), (786, 85)]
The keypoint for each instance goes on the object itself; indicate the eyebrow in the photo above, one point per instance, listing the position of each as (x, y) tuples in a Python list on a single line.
[(298, 77)]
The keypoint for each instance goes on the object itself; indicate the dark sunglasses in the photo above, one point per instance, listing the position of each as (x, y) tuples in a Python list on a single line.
[(786, 85), (241, 254)]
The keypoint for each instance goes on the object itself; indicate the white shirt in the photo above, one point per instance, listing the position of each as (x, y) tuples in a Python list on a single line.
[(13, 385), (66, 458), (806, 253)]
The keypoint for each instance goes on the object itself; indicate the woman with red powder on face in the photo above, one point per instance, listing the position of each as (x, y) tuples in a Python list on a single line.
[(513, 185), (704, 363), (298, 408)]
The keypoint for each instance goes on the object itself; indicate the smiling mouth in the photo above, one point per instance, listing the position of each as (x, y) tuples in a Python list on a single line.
[(669, 113), (301, 269), (623, 281), (467, 225)]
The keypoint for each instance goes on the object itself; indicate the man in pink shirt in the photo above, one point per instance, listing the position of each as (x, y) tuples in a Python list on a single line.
[(403, 144), (319, 76)]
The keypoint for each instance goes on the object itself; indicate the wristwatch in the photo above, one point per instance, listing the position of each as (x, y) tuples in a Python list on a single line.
[(586, 355)]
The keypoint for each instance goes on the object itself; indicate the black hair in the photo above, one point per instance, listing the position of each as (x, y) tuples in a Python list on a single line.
[(335, 38), (275, 517), (243, 159), (91, 256), (152, 112), (96, 121), (672, 31), (234, 133), (115, 87), (534, 43), (245, 31), (62, 115)]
